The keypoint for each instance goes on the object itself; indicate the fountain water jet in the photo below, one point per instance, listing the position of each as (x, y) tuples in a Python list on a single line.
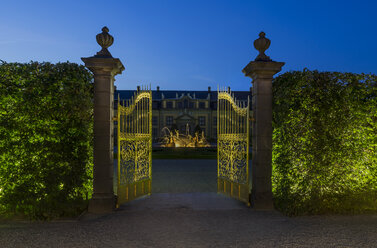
[(180, 140)]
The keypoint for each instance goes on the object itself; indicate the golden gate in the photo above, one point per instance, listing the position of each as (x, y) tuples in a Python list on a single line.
[(233, 146), (134, 146)]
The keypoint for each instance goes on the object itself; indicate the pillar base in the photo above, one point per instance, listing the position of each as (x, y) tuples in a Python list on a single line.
[(262, 201), (102, 204)]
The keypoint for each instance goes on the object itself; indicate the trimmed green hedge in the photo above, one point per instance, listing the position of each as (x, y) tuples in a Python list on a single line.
[(46, 116), (325, 142), (324, 154)]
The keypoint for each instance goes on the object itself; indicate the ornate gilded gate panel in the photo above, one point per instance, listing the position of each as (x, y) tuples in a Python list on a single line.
[(233, 147), (134, 146)]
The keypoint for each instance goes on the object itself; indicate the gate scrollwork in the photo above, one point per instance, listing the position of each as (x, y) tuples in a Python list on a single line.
[(134, 146), (233, 146)]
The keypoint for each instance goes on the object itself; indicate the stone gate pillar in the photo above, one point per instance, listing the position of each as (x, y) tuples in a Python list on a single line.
[(262, 70), (104, 68)]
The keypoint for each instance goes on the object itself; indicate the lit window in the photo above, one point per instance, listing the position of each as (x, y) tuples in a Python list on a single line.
[(154, 120), (214, 105), (154, 105), (169, 120), (202, 120), (154, 132)]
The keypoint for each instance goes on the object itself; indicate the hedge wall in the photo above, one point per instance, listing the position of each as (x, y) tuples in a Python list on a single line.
[(324, 154), (325, 142), (45, 139)]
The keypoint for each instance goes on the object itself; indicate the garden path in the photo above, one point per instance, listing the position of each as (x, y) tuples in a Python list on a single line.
[(196, 219)]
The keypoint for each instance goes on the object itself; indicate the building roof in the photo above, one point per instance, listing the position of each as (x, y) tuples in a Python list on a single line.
[(176, 94)]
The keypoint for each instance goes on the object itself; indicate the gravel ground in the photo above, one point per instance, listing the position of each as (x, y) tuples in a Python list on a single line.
[(181, 176), (193, 219)]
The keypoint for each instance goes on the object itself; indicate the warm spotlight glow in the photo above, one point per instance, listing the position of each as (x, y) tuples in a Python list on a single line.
[(183, 140)]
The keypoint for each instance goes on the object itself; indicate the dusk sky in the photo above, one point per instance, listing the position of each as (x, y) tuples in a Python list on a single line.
[(193, 44)]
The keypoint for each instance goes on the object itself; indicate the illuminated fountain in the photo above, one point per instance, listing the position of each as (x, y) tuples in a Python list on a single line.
[(176, 139)]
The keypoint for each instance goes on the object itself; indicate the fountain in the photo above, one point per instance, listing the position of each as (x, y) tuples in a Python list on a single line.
[(176, 139)]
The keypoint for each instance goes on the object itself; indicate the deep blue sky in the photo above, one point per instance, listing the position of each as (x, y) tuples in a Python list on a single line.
[(193, 44)]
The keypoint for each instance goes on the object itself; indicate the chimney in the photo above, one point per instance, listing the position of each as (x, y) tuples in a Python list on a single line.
[(138, 88), (158, 88), (209, 88)]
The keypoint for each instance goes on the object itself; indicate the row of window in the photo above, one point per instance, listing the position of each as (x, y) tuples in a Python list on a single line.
[(155, 132), (185, 104), (169, 121)]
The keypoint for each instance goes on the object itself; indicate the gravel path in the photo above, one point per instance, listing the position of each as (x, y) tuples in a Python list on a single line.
[(181, 176), (192, 220)]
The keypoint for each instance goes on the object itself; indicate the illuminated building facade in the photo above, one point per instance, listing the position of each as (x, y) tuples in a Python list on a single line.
[(184, 110)]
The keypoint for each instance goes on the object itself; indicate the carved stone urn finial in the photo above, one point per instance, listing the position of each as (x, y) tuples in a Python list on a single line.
[(105, 40), (262, 44)]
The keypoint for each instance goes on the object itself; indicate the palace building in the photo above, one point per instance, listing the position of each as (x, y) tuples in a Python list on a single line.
[(187, 111)]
